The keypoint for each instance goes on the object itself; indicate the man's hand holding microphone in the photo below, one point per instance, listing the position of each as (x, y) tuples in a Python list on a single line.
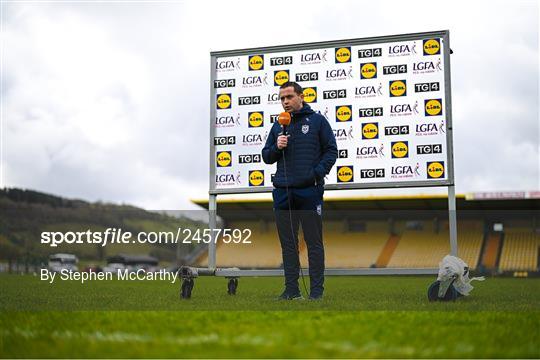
[(282, 141), (284, 120)]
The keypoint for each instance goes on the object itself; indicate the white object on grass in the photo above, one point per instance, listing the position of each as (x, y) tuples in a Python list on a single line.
[(452, 268)]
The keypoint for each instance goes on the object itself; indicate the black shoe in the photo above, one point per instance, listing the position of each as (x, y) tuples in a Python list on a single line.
[(287, 296), (315, 297)]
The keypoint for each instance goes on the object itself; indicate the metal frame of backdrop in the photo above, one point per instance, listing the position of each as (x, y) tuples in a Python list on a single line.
[(449, 182)]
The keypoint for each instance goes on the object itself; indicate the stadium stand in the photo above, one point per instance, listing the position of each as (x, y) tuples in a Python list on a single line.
[(520, 250), (425, 247), (395, 232), (422, 248), (351, 249), (470, 237), (387, 251), (343, 248), (346, 249), (491, 250), (264, 250)]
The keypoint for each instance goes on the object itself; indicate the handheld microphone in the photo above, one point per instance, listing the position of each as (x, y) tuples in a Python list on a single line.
[(284, 120)]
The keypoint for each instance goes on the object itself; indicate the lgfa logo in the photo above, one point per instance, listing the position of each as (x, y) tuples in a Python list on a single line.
[(404, 109), (370, 131), (256, 177), (223, 101), (368, 70), (310, 94), (427, 129), (433, 107), (228, 65), (427, 67), (313, 58), (402, 49), (228, 179), (224, 158), (404, 171), (254, 139), (400, 149), (281, 77), (368, 91), (345, 174), (227, 121), (255, 81), (435, 169), (256, 119), (343, 113), (273, 99), (343, 134), (339, 74), (432, 46), (370, 152), (343, 55), (256, 62), (398, 88)]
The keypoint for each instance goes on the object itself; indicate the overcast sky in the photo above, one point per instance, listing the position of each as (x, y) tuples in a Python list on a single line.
[(110, 101)]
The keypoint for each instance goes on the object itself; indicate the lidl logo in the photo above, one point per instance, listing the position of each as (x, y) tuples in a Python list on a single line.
[(398, 88), (435, 169), (368, 70), (281, 77), (256, 62), (433, 107), (343, 55), (370, 131), (223, 101), (400, 149), (310, 94), (256, 177), (343, 113), (345, 174), (256, 119), (224, 158), (432, 46)]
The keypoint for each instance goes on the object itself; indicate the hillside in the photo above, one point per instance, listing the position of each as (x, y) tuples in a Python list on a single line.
[(26, 214)]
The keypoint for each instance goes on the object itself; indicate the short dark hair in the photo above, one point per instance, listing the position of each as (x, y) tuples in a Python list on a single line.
[(297, 88)]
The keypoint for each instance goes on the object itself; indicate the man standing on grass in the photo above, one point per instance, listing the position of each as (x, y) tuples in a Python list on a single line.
[(305, 153)]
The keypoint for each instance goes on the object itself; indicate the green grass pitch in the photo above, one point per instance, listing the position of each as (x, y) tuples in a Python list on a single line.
[(365, 316)]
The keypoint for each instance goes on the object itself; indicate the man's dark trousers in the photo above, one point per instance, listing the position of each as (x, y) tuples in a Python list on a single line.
[(306, 206)]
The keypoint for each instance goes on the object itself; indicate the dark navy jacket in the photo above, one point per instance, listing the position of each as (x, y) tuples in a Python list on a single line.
[(310, 153)]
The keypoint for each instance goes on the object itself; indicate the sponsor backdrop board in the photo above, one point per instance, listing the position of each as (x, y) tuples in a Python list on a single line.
[(387, 100)]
